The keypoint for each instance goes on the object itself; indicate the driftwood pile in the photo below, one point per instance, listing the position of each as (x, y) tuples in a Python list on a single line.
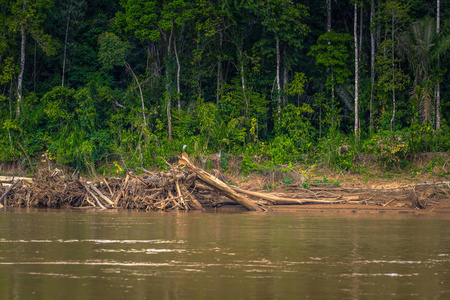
[(183, 187)]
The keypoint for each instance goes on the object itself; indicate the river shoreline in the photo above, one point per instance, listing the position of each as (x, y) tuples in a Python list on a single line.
[(300, 190)]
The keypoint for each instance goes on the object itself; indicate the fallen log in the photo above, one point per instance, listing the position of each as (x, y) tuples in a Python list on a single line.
[(121, 193), (95, 198), (191, 199), (280, 200), (101, 194), (218, 185), (8, 179)]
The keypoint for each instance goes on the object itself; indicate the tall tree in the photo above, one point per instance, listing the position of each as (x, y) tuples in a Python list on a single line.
[(333, 52), (396, 16), (71, 7), (372, 63), (284, 19), (159, 21), (438, 87), (355, 32), (27, 16)]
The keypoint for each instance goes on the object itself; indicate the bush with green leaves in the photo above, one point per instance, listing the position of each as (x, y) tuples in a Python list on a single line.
[(389, 147), (336, 149), (424, 138), (294, 124), (281, 150)]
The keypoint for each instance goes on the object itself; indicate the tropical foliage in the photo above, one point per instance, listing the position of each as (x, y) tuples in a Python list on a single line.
[(93, 83)]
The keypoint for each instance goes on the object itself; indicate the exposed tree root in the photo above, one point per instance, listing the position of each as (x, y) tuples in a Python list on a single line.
[(186, 187)]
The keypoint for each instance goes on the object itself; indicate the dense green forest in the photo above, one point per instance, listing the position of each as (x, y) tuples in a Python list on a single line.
[(92, 83)]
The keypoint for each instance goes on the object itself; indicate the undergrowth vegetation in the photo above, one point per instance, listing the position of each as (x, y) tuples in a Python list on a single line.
[(110, 86), (75, 131)]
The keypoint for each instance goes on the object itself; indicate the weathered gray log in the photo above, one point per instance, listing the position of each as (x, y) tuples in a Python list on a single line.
[(191, 199), (87, 187), (275, 199), (8, 179), (101, 194), (218, 185)]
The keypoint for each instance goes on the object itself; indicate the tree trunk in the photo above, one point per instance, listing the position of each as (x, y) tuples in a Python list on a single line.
[(393, 76), (34, 67), (168, 90), (372, 64), (218, 185), (320, 121), (356, 73), (178, 74), (140, 90), (197, 66), (438, 88), (333, 117), (22, 67), (244, 94), (285, 80), (65, 47), (153, 62), (219, 72), (278, 74)]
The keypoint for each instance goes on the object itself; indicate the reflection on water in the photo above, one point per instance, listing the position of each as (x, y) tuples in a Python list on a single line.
[(135, 255)]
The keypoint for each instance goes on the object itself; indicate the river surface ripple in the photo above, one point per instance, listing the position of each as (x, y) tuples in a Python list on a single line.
[(48, 254)]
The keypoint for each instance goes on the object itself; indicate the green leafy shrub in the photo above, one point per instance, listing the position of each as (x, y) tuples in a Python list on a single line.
[(389, 147), (337, 150), (281, 150), (294, 124)]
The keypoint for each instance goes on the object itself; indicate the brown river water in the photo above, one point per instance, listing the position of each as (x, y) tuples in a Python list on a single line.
[(65, 254)]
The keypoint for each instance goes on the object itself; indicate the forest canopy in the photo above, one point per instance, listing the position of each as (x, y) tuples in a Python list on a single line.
[(130, 81)]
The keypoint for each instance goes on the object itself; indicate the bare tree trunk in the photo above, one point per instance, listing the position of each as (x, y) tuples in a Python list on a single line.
[(285, 80), (22, 66), (140, 90), (320, 121), (333, 98), (372, 64), (438, 88), (178, 74), (153, 61), (393, 76), (219, 72), (65, 47), (355, 31), (332, 77), (197, 65), (278, 74), (168, 91), (34, 67), (244, 93)]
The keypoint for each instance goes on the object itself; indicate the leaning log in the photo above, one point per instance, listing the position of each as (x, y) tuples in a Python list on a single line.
[(217, 184), (191, 199), (91, 186), (8, 191)]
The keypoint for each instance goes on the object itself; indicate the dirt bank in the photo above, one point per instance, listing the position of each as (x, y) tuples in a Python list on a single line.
[(300, 189)]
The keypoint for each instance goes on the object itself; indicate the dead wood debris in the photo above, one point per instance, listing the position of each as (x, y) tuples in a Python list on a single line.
[(186, 187)]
